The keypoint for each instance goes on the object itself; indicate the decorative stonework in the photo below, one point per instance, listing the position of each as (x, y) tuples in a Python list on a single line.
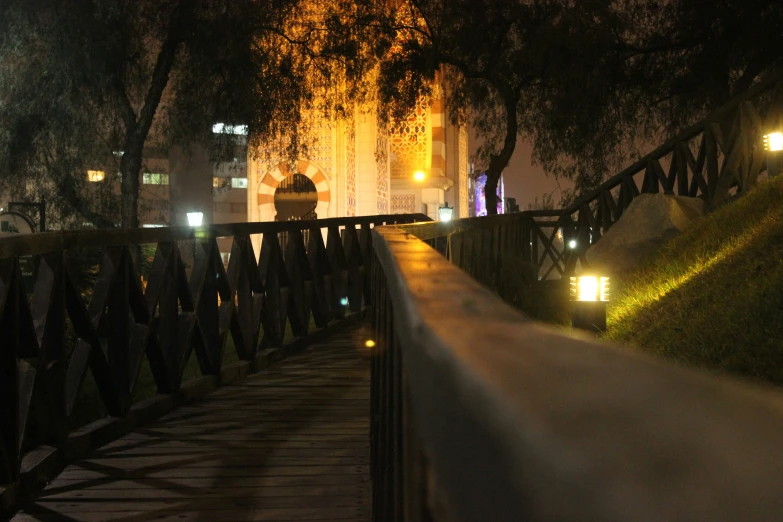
[(382, 170), (350, 169), (272, 178), (319, 145), (410, 141), (316, 140), (463, 172), (403, 204)]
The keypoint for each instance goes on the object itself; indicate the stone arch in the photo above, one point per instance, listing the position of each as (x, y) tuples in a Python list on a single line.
[(272, 179)]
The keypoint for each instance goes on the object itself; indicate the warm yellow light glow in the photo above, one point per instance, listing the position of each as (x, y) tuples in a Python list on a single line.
[(590, 288), (419, 175), (370, 343), (95, 175), (773, 142)]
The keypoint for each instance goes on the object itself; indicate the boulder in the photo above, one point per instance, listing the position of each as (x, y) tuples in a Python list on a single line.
[(648, 222)]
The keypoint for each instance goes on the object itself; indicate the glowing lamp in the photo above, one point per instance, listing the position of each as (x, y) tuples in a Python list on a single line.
[(589, 288), (572, 244), (445, 213), (773, 141), (370, 343), (94, 176), (589, 294), (344, 301), (195, 218), (419, 175)]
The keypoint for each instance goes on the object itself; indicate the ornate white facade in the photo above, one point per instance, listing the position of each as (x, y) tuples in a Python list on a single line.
[(361, 167)]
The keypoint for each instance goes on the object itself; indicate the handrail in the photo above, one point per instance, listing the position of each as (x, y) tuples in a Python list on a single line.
[(691, 132), (40, 243), (159, 315), (481, 414), (729, 156)]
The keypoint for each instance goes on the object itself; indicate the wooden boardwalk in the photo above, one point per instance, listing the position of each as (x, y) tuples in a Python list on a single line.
[(289, 443)]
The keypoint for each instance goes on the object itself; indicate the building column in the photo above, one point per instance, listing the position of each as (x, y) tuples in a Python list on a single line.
[(366, 165)]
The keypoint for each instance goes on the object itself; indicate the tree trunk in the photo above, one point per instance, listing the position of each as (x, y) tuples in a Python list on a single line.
[(498, 162), (137, 128), (130, 169)]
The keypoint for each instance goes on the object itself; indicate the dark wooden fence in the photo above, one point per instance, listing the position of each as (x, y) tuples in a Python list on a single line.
[(719, 157), (481, 414), (109, 316), (712, 160)]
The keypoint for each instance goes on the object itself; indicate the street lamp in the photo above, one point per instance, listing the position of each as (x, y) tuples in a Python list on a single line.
[(589, 294), (195, 218), (773, 144), (445, 212)]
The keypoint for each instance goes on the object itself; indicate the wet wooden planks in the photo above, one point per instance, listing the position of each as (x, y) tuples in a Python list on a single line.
[(290, 443)]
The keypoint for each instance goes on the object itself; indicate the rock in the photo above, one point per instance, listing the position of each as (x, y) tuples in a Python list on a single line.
[(648, 222)]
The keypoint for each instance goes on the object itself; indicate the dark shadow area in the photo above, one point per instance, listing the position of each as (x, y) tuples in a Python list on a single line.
[(289, 443)]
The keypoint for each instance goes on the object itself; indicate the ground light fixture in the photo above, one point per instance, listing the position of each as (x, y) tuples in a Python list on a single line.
[(445, 213), (589, 294), (195, 218), (773, 145)]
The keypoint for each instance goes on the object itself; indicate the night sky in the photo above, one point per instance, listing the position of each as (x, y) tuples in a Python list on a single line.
[(524, 181)]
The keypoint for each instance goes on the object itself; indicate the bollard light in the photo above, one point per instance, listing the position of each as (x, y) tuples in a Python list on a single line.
[(195, 218), (773, 142), (445, 213), (589, 294)]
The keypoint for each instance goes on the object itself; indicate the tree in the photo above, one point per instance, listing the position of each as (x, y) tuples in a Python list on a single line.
[(589, 82), (494, 57), (667, 66), (86, 85)]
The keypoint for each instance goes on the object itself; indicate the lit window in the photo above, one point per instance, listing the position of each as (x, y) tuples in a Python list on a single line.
[(239, 183), (95, 175), (155, 179), (215, 182), (220, 128)]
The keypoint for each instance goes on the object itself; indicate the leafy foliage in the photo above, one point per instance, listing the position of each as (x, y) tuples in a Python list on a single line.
[(590, 83), (88, 85)]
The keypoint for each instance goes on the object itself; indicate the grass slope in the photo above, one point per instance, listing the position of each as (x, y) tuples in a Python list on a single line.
[(713, 296)]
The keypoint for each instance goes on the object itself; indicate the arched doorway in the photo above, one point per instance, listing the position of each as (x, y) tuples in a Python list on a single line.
[(296, 198), (267, 189)]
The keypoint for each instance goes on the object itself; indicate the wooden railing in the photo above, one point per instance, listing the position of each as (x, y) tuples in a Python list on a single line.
[(712, 160), (481, 414), (156, 308)]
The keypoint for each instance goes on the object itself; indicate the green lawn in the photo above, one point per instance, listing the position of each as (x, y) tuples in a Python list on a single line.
[(712, 297)]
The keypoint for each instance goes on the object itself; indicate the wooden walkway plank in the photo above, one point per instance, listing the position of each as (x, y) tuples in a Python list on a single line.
[(290, 443)]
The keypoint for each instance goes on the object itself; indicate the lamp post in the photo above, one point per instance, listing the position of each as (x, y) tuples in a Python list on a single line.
[(445, 212), (589, 294), (773, 144), (195, 218)]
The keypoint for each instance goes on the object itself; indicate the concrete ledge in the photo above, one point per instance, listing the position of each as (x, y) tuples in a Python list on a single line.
[(44, 463)]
